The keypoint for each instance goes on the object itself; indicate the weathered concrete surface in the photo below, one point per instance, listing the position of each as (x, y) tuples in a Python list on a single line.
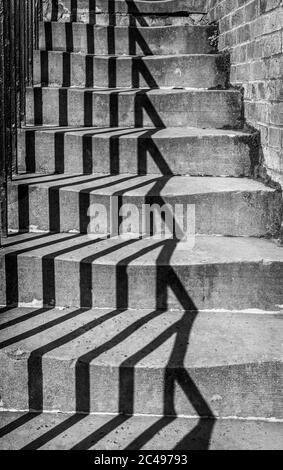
[(96, 432), (170, 151), (223, 206), (92, 39), (131, 19), (135, 354), (237, 273), (134, 107), (85, 13), (216, 364), (80, 70)]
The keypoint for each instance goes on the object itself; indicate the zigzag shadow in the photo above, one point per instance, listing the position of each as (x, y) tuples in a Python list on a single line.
[(166, 278), (175, 372)]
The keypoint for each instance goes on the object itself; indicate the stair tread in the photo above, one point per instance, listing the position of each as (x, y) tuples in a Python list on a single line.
[(162, 6), (216, 339), (60, 431), (138, 107), (139, 57), (208, 250), (141, 325), (135, 39), (147, 91), (137, 26), (148, 185), (130, 132)]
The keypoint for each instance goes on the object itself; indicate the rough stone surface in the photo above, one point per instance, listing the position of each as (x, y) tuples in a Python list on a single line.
[(170, 151), (216, 201), (222, 364), (85, 13), (133, 100), (238, 273), (134, 108), (67, 432), (78, 37), (192, 71)]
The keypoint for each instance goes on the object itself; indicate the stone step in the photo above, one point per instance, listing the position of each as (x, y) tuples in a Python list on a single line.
[(78, 271), (204, 365), (89, 11), (59, 431), (119, 40), (130, 19), (170, 151), (223, 206), (80, 70), (133, 107), (123, 14), (49, 431)]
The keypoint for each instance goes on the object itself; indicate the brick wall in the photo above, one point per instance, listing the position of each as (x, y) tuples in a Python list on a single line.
[(252, 30)]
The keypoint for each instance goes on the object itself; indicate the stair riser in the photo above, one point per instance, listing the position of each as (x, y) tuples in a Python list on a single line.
[(64, 210), (237, 286), (77, 70), (231, 390), (123, 19), (75, 107), (74, 153), (73, 11), (99, 40)]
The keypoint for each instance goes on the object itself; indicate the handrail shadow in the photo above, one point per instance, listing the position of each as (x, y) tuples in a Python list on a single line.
[(175, 372)]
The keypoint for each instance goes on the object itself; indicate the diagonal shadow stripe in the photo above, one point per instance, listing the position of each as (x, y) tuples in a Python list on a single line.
[(35, 362), (179, 374), (40, 329), (11, 267), (143, 104), (17, 423), (166, 278), (83, 363), (175, 371), (100, 433), (145, 437), (54, 432), (35, 371), (36, 376), (22, 318), (146, 146), (84, 198), (139, 68)]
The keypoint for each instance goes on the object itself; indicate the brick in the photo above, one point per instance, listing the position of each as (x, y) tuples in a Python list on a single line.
[(252, 31)]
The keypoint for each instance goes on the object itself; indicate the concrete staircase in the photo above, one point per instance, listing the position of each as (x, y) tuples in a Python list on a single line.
[(138, 343)]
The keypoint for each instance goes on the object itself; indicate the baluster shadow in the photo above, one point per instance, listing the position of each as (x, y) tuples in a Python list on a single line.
[(166, 278)]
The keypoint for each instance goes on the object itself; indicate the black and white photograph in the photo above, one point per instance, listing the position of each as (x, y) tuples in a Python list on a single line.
[(141, 230)]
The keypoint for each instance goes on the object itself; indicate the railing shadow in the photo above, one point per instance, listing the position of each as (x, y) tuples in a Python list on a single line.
[(175, 373)]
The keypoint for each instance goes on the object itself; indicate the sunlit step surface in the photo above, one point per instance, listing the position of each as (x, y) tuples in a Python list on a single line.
[(104, 107), (225, 206), (74, 269), (170, 151), (142, 362), (86, 70), (93, 39)]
